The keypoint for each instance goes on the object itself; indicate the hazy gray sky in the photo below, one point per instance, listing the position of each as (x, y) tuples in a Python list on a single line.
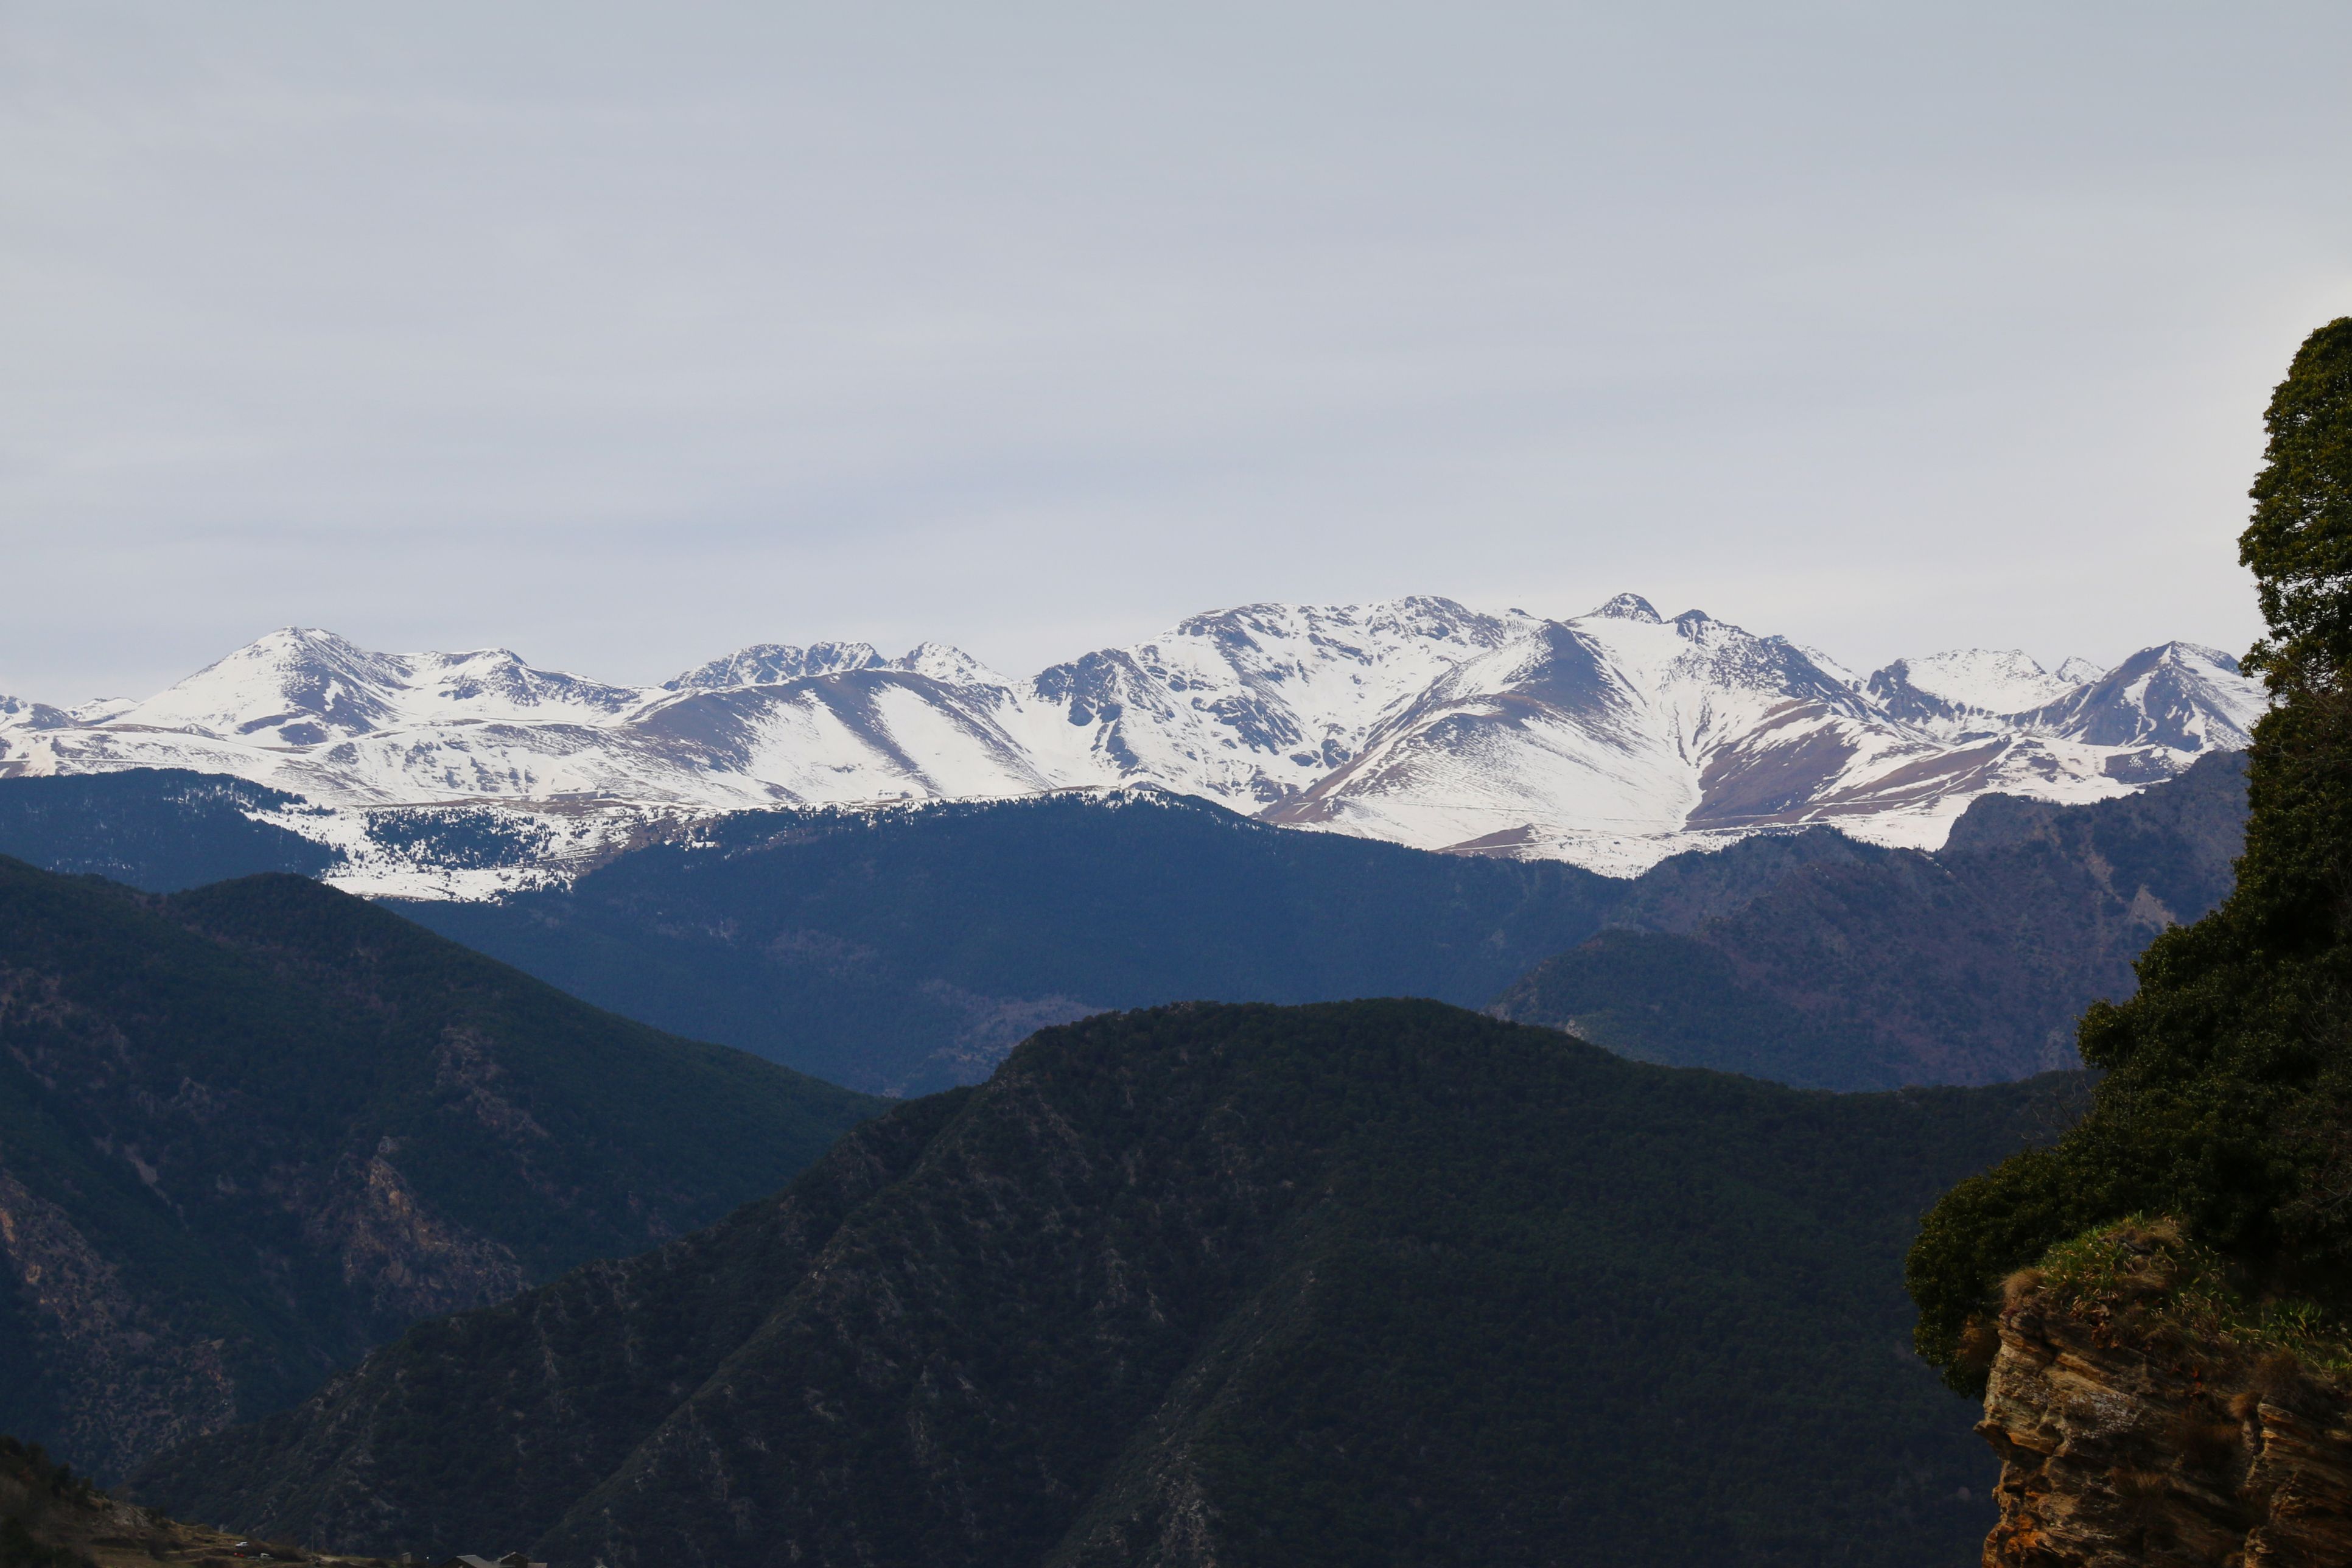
[(622, 335)]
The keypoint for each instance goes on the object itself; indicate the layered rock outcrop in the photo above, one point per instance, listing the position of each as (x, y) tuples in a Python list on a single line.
[(2126, 1441)]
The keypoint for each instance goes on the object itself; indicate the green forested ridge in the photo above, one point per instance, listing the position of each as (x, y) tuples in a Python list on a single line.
[(1877, 967), (2226, 1098), (1362, 1283), (249, 1130)]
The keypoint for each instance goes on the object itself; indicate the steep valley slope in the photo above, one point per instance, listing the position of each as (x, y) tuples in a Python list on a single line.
[(247, 1132), (1352, 1283)]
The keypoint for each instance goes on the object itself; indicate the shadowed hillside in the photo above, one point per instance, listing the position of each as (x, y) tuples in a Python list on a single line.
[(1345, 1284), (249, 1130), (905, 951), (1870, 968)]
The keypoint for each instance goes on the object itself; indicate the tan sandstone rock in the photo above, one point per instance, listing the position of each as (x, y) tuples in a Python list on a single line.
[(2124, 1443)]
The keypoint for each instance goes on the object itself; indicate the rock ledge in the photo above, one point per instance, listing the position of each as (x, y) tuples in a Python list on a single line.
[(2129, 1443)]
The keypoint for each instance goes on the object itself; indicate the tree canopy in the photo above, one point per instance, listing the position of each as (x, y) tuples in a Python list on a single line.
[(2226, 1098), (2299, 544)]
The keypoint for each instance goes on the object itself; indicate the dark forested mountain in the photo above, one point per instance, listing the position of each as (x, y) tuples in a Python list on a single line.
[(1870, 968), (909, 952), (162, 829), (249, 1130), (1355, 1283), (905, 951)]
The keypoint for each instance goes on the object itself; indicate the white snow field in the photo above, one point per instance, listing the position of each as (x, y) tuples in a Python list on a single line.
[(1612, 739)]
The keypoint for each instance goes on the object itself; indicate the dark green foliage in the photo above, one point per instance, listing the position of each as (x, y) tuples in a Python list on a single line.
[(29, 1466), (253, 1129), (455, 835), (33, 1492), (551, 1391), (1874, 968), (20, 1550), (162, 829), (906, 953), (1657, 997), (2228, 1096), (2299, 543), (1364, 1283)]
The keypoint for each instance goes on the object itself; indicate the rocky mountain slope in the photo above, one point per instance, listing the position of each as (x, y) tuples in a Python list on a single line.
[(1612, 739), (1867, 967), (249, 1130), (1343, 1284)]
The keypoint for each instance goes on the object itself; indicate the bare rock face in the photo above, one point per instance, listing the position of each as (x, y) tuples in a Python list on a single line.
[(2125, 1444)]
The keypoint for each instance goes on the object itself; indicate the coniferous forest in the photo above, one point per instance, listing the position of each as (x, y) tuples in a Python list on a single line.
[(2225, 1091)]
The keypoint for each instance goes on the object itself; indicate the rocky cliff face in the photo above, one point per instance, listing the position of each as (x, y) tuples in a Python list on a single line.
[(2124, 1441)]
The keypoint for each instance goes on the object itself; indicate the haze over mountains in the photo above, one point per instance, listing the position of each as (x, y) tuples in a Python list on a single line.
[(1612, 739)]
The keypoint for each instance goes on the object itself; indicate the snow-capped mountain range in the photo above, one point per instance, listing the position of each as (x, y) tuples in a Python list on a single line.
[(1612, 739)]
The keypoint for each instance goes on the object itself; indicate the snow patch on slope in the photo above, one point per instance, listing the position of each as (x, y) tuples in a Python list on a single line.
[(1612, 739), (1986, 681)]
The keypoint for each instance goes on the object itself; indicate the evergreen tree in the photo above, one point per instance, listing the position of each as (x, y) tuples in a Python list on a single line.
[(2227, 1100)]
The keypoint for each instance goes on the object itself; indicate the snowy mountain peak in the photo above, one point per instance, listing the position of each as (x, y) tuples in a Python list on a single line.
[(2197, 653), (2181, 697), (16, 712), (772, 664), (2080, 671), (495, 683), (948, 665), (1971, 680), (1612, 739), (298, 684), (1628, 608)]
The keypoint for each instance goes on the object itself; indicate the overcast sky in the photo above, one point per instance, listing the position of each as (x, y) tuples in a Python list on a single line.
[(622, 335)]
